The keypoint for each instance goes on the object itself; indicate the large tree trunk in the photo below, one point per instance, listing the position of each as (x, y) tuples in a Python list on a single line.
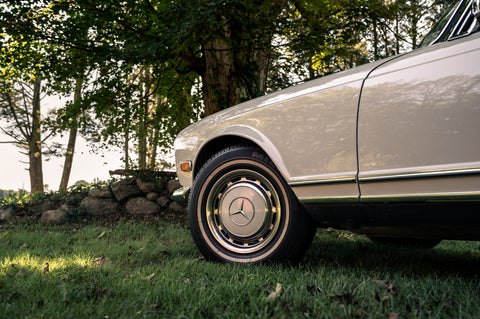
[(67, 167), (236, 70), (35, 143)]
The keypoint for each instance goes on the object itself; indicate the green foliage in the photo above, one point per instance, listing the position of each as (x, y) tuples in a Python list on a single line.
[(150, 68)]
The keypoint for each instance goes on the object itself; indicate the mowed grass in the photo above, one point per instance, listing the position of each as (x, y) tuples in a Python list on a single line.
[(138, 269)]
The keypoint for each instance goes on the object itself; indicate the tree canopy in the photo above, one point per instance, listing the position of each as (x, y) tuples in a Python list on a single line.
[(143, 70)]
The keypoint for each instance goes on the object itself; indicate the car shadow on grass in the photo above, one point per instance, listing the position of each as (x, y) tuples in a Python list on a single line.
[(338, 248)]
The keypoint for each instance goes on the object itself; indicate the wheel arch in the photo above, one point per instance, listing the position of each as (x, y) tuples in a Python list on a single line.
[(253, 138)]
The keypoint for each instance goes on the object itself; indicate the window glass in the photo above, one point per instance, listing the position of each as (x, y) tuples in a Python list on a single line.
[(457, 21)]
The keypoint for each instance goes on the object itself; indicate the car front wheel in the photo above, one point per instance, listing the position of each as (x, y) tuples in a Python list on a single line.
[(241, 210)]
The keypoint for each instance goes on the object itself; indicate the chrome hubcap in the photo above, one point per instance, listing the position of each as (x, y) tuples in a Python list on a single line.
[(243, 211)]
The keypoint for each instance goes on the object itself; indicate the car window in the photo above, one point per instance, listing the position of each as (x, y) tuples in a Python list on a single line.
[(437, 29), (458, 21)]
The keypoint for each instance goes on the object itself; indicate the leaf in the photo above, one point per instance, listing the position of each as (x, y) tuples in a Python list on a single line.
[(101, 260), (387, 285), (274, 294), (343, 299), (150, 276)]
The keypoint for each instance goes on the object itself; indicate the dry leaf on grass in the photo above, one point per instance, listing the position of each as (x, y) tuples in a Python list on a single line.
[(275, 294), (343, 299), (101, 260)]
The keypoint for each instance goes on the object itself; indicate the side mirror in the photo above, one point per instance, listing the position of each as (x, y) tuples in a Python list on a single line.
[(476, 9)]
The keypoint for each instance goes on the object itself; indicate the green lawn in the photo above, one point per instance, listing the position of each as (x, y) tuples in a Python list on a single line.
[(152, 269)]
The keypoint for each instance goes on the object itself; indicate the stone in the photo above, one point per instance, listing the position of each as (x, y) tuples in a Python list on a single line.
[(53, 217), (173, 185), (177, 208), (6, 214), (125, 189), (41, 207), (99, 206), (142, 206), (103, 192), (163, 201), (146, 186), (65, 208), (152, 196)]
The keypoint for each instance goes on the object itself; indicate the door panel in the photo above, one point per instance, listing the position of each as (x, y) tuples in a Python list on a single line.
[(419, 120)]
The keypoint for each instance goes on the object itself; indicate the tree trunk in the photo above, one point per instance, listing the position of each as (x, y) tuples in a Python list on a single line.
[(126, 155), (67, 167), (236, 70), (35, 144), (142, 137)]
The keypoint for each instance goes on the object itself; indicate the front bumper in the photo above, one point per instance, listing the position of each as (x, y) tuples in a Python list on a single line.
[(181, 195)]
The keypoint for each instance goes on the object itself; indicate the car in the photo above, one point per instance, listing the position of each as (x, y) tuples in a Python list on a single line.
[(389, 149)]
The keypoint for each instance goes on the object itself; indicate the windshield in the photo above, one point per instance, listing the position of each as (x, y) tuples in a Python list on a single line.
[(437, 29)]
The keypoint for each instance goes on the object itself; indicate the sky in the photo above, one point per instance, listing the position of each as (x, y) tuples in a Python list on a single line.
[(86, 165)]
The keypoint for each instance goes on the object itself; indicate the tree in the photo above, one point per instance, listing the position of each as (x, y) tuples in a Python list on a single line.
[(155, 66), (20, 104)]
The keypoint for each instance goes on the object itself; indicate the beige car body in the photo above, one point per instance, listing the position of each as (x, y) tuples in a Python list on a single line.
[(411, 133)]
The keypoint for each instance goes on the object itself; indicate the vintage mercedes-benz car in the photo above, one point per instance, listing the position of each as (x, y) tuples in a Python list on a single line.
[(390, 149)]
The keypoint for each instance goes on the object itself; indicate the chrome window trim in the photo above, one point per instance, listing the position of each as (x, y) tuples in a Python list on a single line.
[(462, 21), (447, 25)]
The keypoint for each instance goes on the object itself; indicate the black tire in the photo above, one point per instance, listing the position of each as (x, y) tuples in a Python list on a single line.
[(241, 210)]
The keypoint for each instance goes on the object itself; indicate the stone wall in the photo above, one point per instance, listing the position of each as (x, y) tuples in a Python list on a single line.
[(142, 195)]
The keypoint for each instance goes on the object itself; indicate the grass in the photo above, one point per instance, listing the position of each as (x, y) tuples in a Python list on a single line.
[(140, 269)]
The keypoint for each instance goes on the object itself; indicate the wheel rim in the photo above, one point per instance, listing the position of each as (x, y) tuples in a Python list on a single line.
[(243, 211)]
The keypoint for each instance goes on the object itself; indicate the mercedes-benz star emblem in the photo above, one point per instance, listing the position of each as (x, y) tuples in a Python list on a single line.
[(241, 211)]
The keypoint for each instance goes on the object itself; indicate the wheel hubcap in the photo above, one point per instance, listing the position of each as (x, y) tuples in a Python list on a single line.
[(244, 208), (243, 211)]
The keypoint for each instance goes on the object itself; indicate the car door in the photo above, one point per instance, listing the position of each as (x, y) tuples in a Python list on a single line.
[(419, 126)]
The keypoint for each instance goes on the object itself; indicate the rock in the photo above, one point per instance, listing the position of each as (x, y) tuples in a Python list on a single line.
[(103, 192), (41, 207), (99, 206), (142, 206), (53, 216), (163, 201), (146, 186), (173, 185), (177, 208), (6, 214), (125, 188), (65, 208), (152, 196)]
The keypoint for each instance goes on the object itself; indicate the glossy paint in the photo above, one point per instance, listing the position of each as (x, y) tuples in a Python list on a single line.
[(419, 124), (309, 131)]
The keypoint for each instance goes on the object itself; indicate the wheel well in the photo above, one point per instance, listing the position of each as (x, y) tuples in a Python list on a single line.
[(215, 146)]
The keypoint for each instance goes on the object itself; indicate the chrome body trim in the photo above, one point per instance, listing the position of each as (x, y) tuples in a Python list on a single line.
[(330, 200), (434, 197), (425, 174), (341, 179)]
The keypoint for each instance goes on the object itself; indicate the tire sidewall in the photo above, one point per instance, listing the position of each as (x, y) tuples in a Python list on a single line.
[(224, 162)]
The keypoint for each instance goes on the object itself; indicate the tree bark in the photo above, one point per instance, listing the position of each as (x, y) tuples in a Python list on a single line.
[(236, 70), (35, 147), (72, 138)]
